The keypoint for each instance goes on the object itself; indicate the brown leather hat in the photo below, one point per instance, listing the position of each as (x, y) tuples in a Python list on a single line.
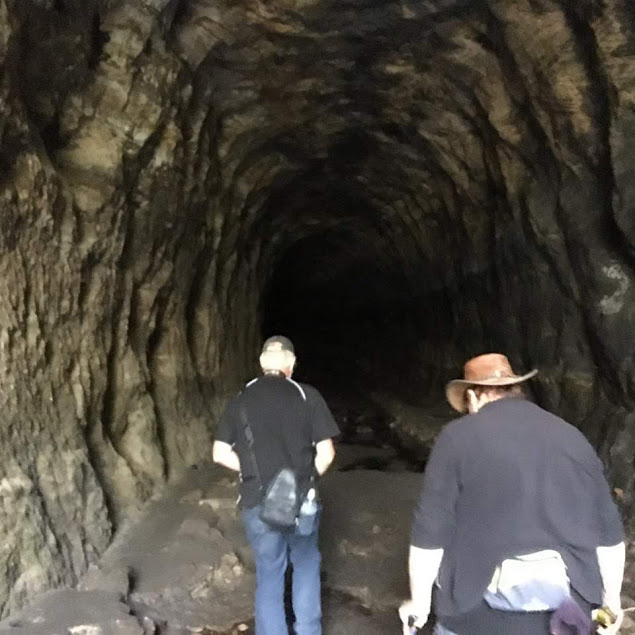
[(491, 369)]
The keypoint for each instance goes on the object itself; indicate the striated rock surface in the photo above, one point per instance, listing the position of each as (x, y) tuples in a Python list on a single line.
[(396, 185), (67, 612), (185, 567)]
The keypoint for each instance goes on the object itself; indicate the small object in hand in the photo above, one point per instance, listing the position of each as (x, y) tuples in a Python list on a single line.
[(604, 616), (411, 623)]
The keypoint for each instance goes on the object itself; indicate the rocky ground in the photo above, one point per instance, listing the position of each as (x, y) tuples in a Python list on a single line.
[(185, 567)]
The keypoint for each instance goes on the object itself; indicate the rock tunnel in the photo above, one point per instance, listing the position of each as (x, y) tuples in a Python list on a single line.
[(396, 185)]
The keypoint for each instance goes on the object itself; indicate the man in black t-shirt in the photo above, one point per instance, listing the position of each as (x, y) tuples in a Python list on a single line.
[(292, 427)]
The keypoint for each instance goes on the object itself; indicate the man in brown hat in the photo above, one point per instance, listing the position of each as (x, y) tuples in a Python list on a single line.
[(515, 517)]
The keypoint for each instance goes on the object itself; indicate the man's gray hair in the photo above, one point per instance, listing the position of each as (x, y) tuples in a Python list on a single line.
[(277, 360)]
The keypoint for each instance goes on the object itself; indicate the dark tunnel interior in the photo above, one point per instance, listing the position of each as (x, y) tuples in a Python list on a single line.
[(375, 314), (347, 306)]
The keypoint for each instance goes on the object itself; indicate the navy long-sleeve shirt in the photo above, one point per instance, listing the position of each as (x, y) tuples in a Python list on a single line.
[(509, 480)]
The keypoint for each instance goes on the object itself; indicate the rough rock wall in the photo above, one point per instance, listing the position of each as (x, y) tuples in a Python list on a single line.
[(108, 233), (155, 160)]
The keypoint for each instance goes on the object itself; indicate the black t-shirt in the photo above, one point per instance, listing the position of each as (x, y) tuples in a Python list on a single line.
[(509, 480), (287, 419)]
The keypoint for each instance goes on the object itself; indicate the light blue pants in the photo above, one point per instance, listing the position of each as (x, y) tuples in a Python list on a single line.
[(272, 552)]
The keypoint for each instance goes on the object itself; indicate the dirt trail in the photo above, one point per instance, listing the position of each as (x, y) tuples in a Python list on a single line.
[(184, 567)]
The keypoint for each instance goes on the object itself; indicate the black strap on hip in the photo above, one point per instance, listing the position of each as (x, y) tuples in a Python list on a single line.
[(249, 435)]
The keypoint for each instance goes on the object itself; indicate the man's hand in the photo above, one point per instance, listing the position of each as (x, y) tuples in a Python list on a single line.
[(613, 628), (223, 454), (423, 565), (419, 612)]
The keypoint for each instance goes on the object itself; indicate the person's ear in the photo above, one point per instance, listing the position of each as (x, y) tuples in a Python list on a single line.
[(472, 401)]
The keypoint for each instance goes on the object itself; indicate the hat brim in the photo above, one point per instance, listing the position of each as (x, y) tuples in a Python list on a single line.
[(455, 390)]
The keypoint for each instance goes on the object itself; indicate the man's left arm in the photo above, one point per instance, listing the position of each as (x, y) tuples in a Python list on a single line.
[(324, 455), (611, 550), (323, 429)]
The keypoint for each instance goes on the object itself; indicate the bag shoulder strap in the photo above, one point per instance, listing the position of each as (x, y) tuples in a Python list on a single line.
[(249, 435)]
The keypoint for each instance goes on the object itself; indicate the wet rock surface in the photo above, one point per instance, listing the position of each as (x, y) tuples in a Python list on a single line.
[(368, 532), (185, 566), (182, 567), (68, 612)]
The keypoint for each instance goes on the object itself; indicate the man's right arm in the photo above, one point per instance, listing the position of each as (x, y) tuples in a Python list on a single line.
[(223, 448), (423, 568), (223, 454), (434, 520)]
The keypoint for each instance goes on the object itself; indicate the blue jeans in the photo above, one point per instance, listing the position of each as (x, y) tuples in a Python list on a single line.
[(439, 629), (272, 551)]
